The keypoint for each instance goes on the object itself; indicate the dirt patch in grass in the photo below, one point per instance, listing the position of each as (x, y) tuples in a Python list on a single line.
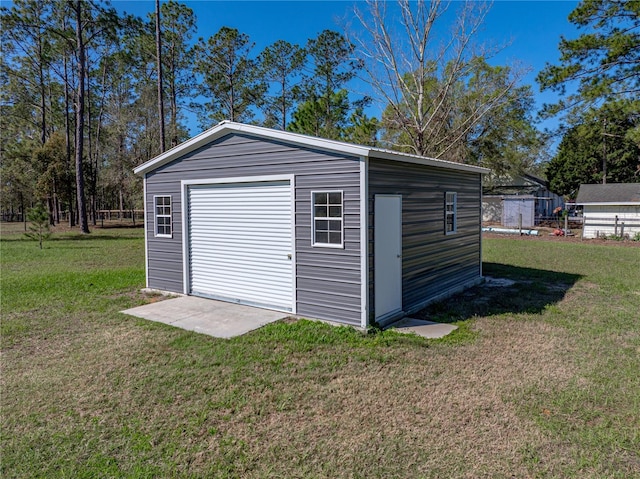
[(143, 297)]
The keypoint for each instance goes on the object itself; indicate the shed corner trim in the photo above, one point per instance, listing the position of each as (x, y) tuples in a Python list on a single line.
[(364, 242)]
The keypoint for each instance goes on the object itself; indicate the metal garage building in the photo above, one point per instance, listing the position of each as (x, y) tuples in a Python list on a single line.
[(319, 228)]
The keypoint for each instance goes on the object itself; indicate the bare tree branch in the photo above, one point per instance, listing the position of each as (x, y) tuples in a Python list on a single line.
[(428, 83)]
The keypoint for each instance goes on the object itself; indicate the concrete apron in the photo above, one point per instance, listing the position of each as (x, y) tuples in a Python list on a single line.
[(426, 329), (207, 316), (227, 320)]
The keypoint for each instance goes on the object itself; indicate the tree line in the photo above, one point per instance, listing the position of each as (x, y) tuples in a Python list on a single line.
[(89, 93), (600, 140), (80, 106)]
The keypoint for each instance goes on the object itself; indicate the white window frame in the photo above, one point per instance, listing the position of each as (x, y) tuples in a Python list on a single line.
[(156, 216), (315, 243), (450, 199)]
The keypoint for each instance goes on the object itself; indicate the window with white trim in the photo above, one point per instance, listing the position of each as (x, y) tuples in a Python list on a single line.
[(450, 212), (162, 208), (327, 218)]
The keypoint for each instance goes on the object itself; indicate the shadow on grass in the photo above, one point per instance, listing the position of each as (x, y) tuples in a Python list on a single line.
[(119, 226), (529, 291)]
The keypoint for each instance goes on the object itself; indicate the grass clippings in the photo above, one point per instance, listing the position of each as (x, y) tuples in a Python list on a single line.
[(540, 380)]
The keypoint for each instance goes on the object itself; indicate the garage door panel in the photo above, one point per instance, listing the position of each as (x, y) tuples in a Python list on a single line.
[(246, 264), (240, 243), (229, 290), (244, 267), (232, 284), (239, 215), (243, 232), (249, 237)]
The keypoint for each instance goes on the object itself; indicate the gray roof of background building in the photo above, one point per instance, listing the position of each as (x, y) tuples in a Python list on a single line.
[(611, 193)]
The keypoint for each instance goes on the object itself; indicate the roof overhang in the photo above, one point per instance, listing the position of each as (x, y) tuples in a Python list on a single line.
[(422, 160), (610, 203), (228, 127)]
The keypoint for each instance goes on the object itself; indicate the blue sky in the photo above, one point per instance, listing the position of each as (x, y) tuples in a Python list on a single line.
[(533, 28)]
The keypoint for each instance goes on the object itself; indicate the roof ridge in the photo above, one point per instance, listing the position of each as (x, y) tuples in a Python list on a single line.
[(228, 126)]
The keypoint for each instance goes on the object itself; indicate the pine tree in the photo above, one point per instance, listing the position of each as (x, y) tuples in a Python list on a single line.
[(604, 61), (178, 26), (324, 94), (231, 83), (281, 64), (39, 227), (597, 150)]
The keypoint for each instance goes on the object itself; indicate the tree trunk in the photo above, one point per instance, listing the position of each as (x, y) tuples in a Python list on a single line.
[(54, 199), (50, 207), (90, 183), (174, 114), (283, 105), (43, 96), (94, 142), (232, 99), (159, 58), (80, 100), (56, 210), (24, 213), (67, 136), (604, 153)]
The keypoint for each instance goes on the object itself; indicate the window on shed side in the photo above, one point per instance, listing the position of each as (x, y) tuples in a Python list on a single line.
[(162, 208), (450, 212), (328, 218)]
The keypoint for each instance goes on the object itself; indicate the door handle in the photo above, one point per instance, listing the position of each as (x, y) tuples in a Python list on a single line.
[(289, 256)]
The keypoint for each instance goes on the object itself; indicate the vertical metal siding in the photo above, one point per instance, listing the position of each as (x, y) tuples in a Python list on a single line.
[(326, 277), (432, 263)]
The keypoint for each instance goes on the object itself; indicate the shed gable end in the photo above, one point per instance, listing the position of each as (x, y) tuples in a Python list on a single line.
[(326, 283)]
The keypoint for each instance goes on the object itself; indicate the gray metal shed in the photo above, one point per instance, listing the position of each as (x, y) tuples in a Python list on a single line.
[(316, 227)]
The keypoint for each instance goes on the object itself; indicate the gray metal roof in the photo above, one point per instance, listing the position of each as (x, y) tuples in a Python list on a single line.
[(610, 193), (226, 127)]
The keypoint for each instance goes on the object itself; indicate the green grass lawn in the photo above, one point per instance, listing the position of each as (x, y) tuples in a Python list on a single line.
[(542, 378)]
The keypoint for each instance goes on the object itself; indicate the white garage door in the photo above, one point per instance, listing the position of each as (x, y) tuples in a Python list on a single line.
[(240, 243)]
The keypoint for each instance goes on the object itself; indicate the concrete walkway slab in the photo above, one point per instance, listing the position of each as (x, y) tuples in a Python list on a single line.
[(207, 316), (426, 329)]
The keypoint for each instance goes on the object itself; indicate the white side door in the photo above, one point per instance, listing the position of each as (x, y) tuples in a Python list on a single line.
[(387, 256)]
